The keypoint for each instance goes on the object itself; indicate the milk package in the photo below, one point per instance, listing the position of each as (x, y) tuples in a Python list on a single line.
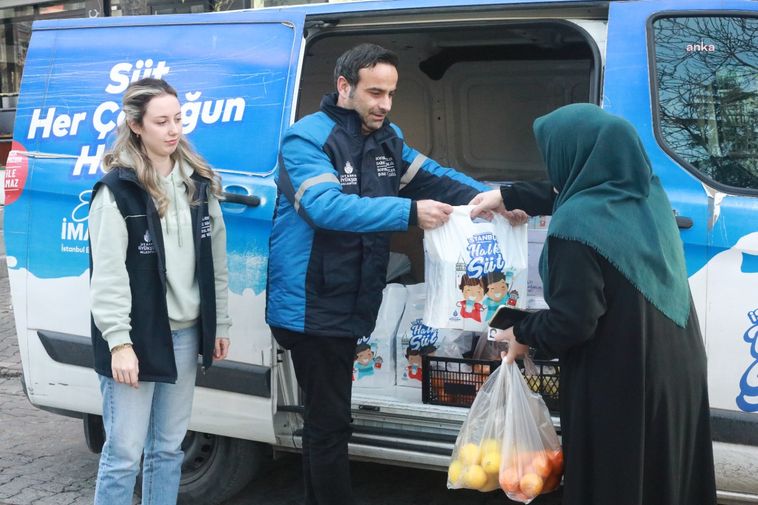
[(374, 365), (473, 267), (416, 340)]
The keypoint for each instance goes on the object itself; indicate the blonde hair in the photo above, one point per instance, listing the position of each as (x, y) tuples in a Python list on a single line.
[(128, 151)]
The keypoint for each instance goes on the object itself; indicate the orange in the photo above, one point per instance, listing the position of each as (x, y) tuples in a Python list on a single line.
[(541, 465), (509, 480), (518, 496), (556, 462), (525, 458), (552, 483), (531, 484)]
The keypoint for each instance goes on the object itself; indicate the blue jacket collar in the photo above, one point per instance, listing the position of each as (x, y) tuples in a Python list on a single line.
[(349, 120)]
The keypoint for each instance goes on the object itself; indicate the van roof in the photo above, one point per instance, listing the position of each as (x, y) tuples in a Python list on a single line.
[(279, 13)]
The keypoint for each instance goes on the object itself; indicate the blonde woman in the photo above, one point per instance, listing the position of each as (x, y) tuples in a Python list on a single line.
[(158, 293)]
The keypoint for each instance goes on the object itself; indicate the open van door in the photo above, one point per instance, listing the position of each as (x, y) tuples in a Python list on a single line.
[(235, 74), (684, 74)]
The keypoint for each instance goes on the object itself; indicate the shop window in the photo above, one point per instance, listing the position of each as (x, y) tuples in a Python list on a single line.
[(706, 75)]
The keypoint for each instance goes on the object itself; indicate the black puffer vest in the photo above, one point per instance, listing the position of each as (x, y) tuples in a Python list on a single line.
[(146, 266)]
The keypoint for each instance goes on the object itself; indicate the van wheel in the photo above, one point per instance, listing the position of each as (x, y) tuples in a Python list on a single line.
[(215, 468), (94, 432)]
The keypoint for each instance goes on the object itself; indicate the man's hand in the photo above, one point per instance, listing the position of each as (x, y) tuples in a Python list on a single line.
[(492, 201), (221, 349), (432, 214), (125, 367)]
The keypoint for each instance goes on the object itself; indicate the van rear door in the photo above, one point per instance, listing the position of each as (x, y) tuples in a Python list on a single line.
[(685, 75), (235, 75)]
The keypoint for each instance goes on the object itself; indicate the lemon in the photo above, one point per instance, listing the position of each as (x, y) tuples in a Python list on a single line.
[(470, 454), (491, 484), (474, 477), (454, 472), (491, 462), (490, 445)]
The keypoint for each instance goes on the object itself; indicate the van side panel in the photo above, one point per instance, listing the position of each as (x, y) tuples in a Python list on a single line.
[(235, 79), (721, 246), (721, 223)]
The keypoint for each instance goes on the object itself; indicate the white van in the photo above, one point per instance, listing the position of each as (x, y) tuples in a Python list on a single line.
[(473, 76)]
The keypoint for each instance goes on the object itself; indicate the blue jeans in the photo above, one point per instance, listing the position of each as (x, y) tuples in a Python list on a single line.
[(152, 419)]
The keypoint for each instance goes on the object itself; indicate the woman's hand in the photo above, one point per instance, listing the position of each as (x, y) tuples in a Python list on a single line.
[(487, 202), (221, 349), (492, 201), (125, 366), (515, 350)]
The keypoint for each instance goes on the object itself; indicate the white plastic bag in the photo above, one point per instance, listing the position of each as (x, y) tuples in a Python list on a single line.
[(475, 462), (472, 267), (374, 365), (416, 340), (531, 457), (507, 441)]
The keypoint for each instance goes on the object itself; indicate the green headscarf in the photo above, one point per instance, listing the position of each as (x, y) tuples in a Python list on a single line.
[(609, 199)]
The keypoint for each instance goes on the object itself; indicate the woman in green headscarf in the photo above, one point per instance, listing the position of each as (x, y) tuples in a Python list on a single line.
[(635, 418)]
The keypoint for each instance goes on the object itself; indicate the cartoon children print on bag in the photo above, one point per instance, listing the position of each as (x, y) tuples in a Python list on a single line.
[(473, 294), (498, 291), (415, 358), (421, 341), (365, 359), (472, 267)]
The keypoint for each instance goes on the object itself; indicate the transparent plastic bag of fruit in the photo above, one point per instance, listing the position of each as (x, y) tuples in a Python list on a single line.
[(475, 463), (531, 456)]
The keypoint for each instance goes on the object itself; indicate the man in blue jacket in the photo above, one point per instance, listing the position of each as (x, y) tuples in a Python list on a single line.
[(346, 181)]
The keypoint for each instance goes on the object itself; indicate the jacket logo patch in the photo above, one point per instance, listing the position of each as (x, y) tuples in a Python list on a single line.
[(147, 246), (385, 167), (205, 227), (349, 178)]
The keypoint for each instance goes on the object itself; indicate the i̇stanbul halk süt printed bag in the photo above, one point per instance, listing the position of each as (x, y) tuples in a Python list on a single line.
[(374, 365), (471, 268), (416, 340)]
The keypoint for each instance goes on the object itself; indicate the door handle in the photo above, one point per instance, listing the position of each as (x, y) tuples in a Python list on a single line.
[(249, 200), (684, 222)]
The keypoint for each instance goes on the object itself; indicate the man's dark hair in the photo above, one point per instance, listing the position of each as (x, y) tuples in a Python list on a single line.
[(362, 56)]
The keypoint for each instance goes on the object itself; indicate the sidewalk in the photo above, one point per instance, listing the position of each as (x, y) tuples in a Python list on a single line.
[(43, 458)]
